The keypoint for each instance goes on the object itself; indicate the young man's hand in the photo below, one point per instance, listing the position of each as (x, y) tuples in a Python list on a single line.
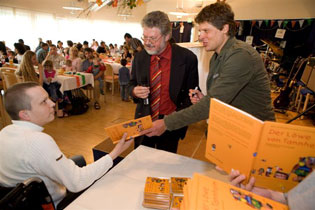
[(195, 96)]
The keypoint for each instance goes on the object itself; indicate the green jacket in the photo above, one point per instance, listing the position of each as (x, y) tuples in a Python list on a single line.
[(237, 77)]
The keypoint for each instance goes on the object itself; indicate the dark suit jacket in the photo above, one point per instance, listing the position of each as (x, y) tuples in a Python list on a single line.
[(183, 76)]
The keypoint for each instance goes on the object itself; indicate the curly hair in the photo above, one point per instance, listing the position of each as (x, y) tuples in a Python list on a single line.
[(218, 14)]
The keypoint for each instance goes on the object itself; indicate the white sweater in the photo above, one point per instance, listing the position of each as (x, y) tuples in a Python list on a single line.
[(25, 151)]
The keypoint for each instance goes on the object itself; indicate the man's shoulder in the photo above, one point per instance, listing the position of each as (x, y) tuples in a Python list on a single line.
[(179, 49)]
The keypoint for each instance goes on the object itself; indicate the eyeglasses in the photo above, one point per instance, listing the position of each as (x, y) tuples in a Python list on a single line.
[(151, 39)]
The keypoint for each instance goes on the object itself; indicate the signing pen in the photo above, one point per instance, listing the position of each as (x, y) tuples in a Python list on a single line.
[(194, 93)]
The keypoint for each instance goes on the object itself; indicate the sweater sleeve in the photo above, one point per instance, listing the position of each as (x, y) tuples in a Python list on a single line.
[(302, 196), (48, 160), (233, 76)]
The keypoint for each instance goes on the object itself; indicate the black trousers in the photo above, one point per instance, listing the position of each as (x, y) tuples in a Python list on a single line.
[(168, 141)]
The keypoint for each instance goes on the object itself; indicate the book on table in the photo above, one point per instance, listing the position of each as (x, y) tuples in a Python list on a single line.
[(163, 193), (131, 127), (278, 155), (203, 193)]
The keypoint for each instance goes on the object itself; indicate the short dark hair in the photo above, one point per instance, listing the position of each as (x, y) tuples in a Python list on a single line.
[(88, 49), (218, 14), (123, 62), (21, 41), (69, 43), (159, 20), (48, 63), (127, 35), (85, 42), (16, 99), (43, 44), (20, 48)]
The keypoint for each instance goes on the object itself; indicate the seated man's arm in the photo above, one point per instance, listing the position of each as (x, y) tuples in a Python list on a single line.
[(49, 161)]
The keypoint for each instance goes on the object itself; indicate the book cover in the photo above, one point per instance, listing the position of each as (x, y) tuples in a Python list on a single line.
[(131, 127), (214, 194), (278, 155)]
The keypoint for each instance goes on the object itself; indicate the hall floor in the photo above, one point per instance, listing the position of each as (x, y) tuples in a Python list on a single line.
[(79, 134)]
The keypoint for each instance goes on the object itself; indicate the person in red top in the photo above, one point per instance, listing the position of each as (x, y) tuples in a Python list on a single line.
[(97, 69), (162, 75)]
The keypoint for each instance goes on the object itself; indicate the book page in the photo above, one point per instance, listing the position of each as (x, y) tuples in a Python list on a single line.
[(232, 137), (285, 156), (214, 194), (131, 127)]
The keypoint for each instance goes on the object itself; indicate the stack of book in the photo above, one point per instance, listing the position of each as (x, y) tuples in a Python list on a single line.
[(160, 193), (157, 193), (203, 192)]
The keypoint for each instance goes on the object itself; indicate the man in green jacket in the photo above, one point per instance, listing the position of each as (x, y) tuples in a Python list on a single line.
[(237, 75)]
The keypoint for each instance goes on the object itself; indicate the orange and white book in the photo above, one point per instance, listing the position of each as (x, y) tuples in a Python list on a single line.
[(213, 194), (278, 155), (131, 127)]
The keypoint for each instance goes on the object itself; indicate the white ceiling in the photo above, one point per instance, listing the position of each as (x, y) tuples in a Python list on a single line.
[(244, 9)]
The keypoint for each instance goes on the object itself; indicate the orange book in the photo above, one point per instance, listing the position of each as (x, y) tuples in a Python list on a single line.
[(131, 127), (214, 194), (278, 155)]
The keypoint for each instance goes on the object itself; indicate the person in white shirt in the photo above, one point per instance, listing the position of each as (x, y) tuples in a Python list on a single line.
[(26, 151)]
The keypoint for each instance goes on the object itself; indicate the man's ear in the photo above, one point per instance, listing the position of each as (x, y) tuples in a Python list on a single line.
[(226, 29), (24, 115)]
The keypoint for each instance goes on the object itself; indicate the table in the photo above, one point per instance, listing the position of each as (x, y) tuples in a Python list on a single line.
[(122, 188), (69, 82), (116, 66)]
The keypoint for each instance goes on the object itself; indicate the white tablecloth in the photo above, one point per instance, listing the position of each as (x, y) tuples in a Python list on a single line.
[(116, 66), (122, 188), (69, 82)]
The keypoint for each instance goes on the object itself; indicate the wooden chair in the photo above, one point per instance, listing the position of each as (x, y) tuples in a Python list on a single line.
[(110, 77), (8, 79)]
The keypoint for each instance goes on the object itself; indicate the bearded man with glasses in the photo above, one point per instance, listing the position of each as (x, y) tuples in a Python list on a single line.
[(162, 75)]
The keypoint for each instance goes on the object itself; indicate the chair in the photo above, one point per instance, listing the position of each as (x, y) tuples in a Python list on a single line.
[(110, 77), (31, 194), (8, 77)]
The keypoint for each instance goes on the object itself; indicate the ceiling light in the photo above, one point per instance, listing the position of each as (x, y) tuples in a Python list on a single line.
[(73, 8), (95, 7), (179, 13)]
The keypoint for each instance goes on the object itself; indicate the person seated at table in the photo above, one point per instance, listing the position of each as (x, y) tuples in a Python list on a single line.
[(112, 50), (102, 48), (11, 56), (126, 55), (88, 53), (85, 44), (66, 53), (26, 151), (300, 197), (68, 66), (53, 55), (26, 70), (19, 50), (76, 60), (97, 69), (124, 78), (42, 53), (52, 86)]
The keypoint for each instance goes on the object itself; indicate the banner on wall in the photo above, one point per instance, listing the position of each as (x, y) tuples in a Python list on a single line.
[(280, 33)]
